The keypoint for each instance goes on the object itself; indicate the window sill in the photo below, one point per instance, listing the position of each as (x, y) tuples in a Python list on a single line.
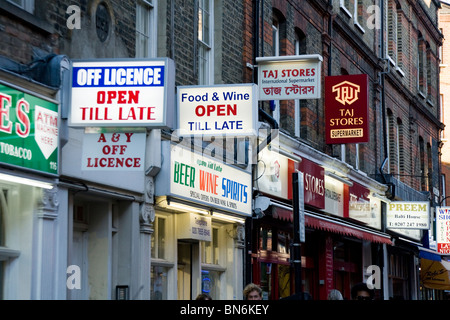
[(26, 17), (6, 253)]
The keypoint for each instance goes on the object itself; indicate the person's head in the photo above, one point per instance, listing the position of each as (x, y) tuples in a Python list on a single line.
[(252, 292), (335, 295), (203, 296), (360, 291)]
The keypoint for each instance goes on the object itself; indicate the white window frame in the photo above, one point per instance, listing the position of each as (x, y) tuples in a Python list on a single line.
[(27, 5), (150, 32), (205, 44)]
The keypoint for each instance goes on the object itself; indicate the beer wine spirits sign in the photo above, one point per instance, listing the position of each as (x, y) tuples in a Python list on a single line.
[(127, 92), (346, 109), (28, 131)]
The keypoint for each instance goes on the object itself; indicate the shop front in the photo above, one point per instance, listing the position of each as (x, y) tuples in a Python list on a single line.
[(31, 229), (198, 240), (343, 234)]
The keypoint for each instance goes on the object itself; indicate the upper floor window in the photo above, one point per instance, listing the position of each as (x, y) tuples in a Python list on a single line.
[(300, 48), (205, 41), (27, 5), (421, 65), (145, 29)]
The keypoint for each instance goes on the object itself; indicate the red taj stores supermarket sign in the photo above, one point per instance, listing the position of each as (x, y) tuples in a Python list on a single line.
[(28, 131), (347, 109)]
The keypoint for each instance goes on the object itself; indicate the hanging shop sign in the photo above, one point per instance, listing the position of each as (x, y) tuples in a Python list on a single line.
[(200, 179), (289, 77), (121, 151), (313, 182), (443, 229), (229, 110), (347, 109), (122, 92), (29, 131), (194, 226), (408, 215), (273, 174)]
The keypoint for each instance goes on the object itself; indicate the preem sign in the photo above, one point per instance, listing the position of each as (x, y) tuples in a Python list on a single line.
[(289, 77), (129, 92), (200, 179), (408, 215), (218, 110), (28, 131)]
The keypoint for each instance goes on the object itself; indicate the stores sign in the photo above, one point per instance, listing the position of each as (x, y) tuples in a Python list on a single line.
[(408, 215), (127, 92), (218, 110), (346, 109), (289, 77), (28, 131)]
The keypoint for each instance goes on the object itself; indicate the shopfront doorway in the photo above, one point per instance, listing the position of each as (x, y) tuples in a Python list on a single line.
[(188, 282)]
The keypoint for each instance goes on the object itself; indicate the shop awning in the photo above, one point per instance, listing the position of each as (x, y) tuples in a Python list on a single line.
[(332, 225), (435, 274)]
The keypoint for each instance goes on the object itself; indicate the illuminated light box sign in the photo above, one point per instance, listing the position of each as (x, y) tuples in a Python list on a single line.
[(408, 215), (114, 151), (29, 131), (218, 110), (443, 229), (122, 92), (347, 109), (289, 77), (215, 184)]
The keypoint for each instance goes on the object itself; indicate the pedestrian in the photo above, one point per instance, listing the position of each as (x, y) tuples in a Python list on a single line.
[(252, 292), (203, 296), (335, 295), (361, 291)]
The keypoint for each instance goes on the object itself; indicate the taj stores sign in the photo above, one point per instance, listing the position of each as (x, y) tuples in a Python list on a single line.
[(346, 109)]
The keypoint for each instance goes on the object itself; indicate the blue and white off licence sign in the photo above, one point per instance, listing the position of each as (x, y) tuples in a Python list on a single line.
[(119, 92)]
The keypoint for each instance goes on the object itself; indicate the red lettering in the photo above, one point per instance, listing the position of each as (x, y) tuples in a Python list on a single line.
[(5, 105), (22, 110)]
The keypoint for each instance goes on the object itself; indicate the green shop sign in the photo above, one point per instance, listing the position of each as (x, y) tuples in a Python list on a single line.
[(28, 131)]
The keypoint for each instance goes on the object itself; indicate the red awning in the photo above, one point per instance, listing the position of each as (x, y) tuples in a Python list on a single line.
[(324, 223)]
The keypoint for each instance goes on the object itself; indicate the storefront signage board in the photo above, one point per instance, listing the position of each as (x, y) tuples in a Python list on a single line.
[(230, 110), (122, 92), (120, 151), (347, 109), (289, 77), (443, 229), (29, 131), (194, 226), (408, 215), (200, 179)]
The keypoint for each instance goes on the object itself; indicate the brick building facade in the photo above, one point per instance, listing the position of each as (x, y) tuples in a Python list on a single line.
[(217, 42)]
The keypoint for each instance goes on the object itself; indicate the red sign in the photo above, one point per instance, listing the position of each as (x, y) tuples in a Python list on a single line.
[(313, 182), (347, 109)]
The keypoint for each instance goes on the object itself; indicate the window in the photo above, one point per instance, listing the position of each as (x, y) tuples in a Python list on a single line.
[(211, 266), (428, 71), (423, 174), (145, 29), (210, 252), (159, 288), (158, 244), (27, 5), (421, 66), (205, 43), (392, 31), (359, 15), (430, 168)]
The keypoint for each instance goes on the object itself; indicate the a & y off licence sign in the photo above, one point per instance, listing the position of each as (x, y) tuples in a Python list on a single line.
[(346, 109), (443, 229), (121, 92)]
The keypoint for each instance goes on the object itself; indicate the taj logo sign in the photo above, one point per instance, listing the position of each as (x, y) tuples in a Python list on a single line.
[(347, 109), (346, 92)]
